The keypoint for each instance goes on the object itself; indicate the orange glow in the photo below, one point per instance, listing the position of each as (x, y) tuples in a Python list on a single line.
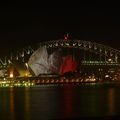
[(11, 74), (26, 74)]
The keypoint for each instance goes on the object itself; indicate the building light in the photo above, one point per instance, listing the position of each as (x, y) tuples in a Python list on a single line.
[(106, 76), (26, 74), (109, 60), (11, 74)]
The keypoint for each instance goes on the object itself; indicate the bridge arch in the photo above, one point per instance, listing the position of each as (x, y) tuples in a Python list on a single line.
[(97, 48), (93, 47)]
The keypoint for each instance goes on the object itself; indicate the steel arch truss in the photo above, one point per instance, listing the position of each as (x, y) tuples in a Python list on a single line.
[(100, 49), (89, 46)]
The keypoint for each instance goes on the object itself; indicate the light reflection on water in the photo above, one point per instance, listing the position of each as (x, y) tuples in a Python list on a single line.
[(58, 101), (12, 109), (111, 101)]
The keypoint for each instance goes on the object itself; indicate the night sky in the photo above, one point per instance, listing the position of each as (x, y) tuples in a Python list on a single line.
[(27, 24)]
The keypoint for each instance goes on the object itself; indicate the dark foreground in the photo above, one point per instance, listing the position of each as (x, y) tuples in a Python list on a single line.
[(60, 102)]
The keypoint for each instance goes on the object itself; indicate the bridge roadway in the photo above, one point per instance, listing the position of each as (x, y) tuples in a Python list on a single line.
[(101, 63)]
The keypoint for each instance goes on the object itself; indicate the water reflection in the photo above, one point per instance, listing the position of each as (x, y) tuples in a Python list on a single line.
[(12, 109), (45, 102), (88, 101), (27, 104), (14, 106), (111, 101), (68, 100), (53, 102)]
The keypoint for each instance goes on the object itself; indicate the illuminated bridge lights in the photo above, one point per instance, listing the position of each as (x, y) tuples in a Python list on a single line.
[(29, 82), (100, 63), (106, 56), (16, 83)]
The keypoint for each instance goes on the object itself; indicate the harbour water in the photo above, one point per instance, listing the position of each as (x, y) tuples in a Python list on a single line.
[(53, 102)]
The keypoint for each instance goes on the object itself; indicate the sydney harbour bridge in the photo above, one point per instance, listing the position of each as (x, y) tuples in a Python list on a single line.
[(94, 58)]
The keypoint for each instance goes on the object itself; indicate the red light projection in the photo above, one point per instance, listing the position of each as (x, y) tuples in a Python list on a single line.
[(68, 65), (66, 37)]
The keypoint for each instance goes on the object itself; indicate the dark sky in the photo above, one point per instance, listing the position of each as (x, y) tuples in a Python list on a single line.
[(25, 24)]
